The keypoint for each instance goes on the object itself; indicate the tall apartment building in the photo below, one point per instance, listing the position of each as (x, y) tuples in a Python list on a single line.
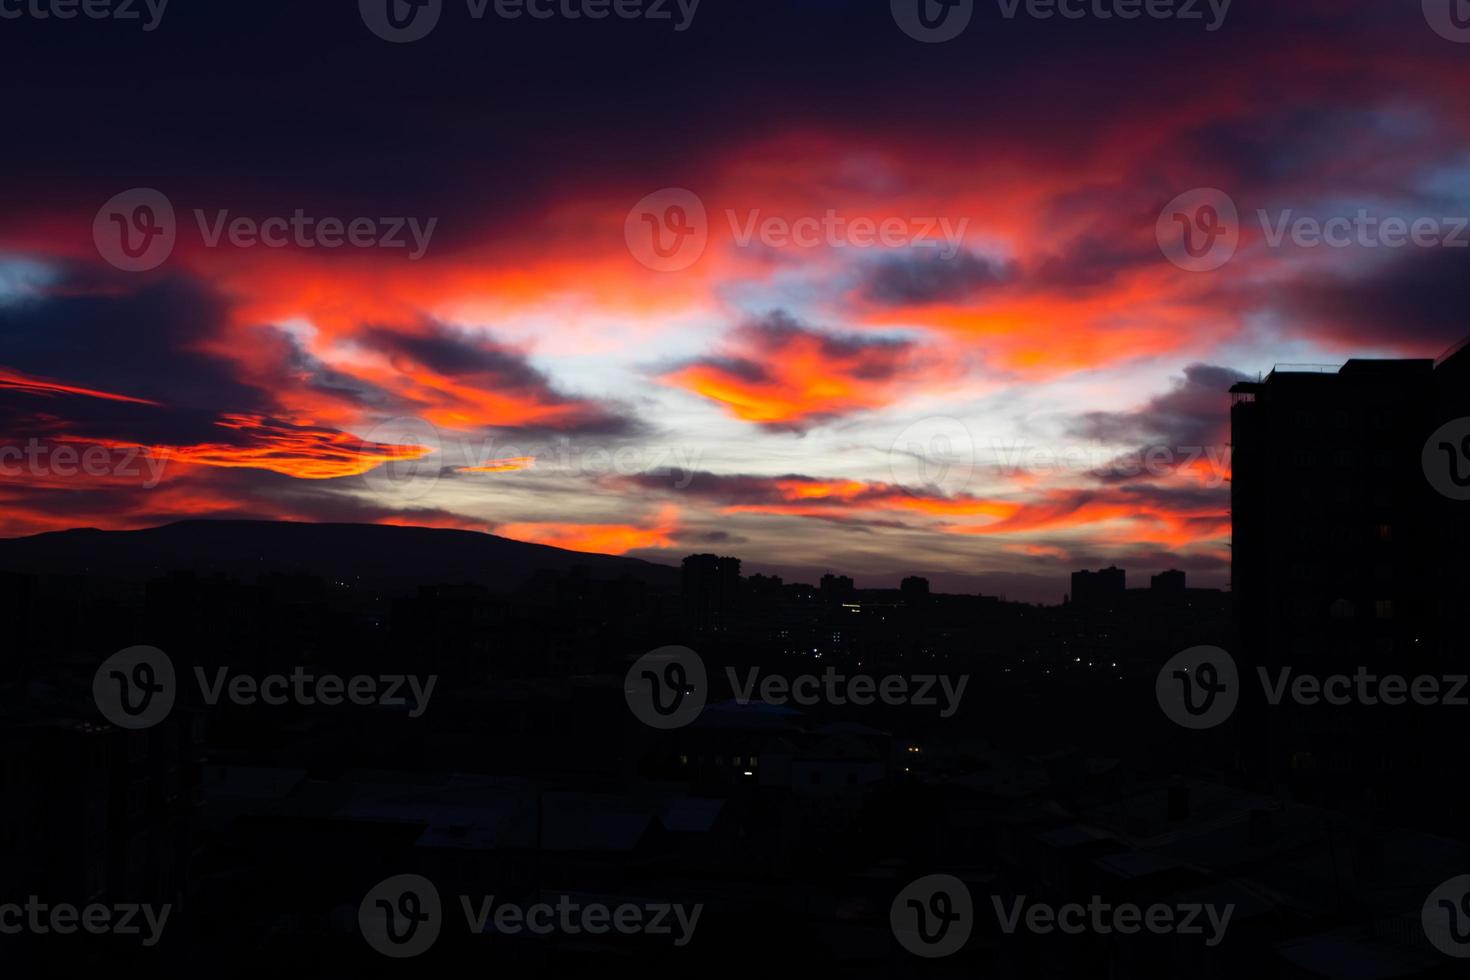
[(1346, 556)]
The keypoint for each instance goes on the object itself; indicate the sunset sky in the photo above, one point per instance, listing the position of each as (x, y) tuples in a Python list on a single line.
[(969, 405)]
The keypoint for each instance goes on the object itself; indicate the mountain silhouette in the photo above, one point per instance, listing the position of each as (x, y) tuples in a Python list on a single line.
[(372, 555)]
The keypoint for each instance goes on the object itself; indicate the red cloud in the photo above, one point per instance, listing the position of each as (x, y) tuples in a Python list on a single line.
[(779, 374)]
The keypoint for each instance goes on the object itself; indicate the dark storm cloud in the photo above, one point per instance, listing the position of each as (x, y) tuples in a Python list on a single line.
[(1191, 413), (309, 370), (875, 358), (469, 124), (919, 277), (143, 344), (455, 355), (483, 364), (1416, 303)]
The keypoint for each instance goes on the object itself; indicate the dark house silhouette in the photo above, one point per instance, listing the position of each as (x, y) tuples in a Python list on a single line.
[(1099, 590)]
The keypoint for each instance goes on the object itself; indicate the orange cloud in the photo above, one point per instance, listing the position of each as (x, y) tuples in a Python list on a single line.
[(304, 452), (607, 539), (510, 464), (777, 373)]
